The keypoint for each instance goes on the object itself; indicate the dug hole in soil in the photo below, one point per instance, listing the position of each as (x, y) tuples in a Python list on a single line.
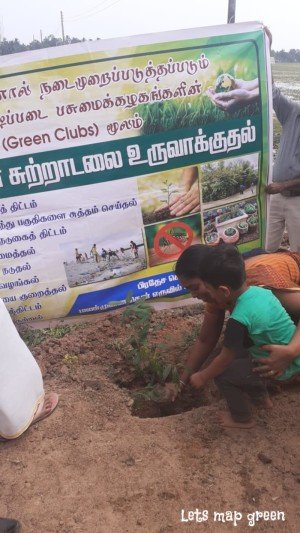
[(173, 346), (147, 408), (94, 466)]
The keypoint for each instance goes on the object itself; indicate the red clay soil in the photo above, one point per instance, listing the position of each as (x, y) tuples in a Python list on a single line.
[(93, 467)]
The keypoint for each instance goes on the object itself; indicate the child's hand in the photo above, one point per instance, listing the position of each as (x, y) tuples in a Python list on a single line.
[(197, 380)]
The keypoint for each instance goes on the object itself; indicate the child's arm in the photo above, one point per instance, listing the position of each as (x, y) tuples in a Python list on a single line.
[(216, 367), (233, 343), (199, 351)]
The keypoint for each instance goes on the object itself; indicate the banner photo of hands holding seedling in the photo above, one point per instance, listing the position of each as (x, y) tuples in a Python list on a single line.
[(116, 155)]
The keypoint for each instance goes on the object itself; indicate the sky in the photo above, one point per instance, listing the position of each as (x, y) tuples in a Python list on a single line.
[(26, 19)]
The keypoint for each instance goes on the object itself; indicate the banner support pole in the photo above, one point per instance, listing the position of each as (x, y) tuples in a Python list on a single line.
[(231, 12)]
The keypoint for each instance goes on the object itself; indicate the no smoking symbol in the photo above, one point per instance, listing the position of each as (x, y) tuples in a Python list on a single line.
[(167, 236)]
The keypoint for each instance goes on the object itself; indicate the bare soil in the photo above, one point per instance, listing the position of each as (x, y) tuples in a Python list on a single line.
[(95, 467), (157, 216)]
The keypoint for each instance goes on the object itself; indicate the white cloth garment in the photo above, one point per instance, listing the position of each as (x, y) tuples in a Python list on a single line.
[(21, 382)]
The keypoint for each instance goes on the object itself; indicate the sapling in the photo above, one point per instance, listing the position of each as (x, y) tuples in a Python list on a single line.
[(168, 190), (146, 357)]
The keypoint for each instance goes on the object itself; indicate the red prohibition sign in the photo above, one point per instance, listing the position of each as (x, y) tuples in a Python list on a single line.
[(164, 238)]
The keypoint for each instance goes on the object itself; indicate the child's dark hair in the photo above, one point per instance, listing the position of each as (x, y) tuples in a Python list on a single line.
[(190, 261), (224, 265)]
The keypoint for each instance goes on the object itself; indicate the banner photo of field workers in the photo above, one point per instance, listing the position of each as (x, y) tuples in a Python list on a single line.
[(116, 155)]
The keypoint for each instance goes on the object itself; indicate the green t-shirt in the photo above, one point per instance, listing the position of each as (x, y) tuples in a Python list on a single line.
[(267, 322)]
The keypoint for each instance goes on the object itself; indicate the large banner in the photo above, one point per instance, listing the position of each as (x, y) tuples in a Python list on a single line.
[(116, 155)]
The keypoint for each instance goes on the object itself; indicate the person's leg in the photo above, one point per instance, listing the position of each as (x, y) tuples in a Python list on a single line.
[(237, 380), (257, 390), (45, 408), (9, 525), (275, 222), (293, 222)]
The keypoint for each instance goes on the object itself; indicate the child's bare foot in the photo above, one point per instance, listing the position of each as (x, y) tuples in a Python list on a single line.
[(266, 403), (227, 421)]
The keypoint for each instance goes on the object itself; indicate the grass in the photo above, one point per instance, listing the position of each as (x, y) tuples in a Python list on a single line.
[(34, 337), (287, 77), (170, 115)]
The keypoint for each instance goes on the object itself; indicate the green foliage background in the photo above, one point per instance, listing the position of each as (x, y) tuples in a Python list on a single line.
[(220, 180)]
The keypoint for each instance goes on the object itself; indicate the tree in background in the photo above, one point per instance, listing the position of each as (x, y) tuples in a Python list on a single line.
[(293, 56), (14, 46)]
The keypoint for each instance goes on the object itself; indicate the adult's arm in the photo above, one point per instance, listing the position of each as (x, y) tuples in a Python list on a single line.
[(280, 186), (205, 343), (281, 104), (280, 356)]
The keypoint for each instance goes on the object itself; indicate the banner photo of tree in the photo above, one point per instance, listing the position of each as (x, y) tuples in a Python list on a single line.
[(118, 154), (229, 179)]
